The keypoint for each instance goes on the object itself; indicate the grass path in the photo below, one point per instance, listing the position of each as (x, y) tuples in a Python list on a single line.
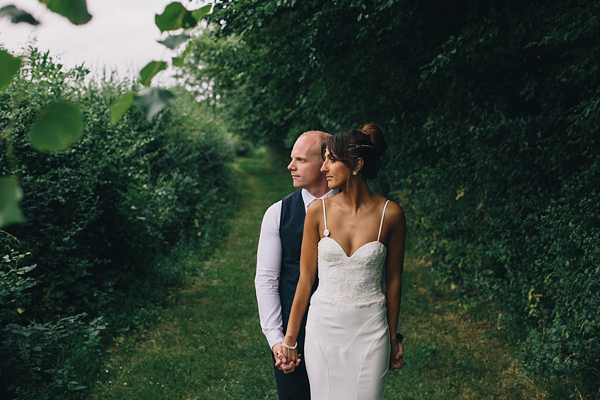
[(208, 344)]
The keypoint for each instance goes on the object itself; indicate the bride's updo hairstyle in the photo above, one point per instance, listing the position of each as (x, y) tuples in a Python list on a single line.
[(349, 146)]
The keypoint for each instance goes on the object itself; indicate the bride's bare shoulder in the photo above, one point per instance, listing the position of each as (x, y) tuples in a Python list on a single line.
[(395, 213)]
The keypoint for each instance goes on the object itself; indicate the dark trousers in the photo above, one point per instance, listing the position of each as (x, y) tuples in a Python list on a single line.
[(293, 386)]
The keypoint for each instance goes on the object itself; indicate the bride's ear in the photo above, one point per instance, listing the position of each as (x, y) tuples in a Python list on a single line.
[(359, 164)]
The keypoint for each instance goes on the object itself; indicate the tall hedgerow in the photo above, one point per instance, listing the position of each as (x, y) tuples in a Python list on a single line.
[(491, 113), (102, 219)]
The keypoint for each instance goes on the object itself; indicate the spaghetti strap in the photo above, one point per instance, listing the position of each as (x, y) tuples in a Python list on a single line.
[(326, 231), (380, 224)]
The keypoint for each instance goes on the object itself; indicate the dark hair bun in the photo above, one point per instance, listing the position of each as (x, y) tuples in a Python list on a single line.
[(375, 135), (349, 146)]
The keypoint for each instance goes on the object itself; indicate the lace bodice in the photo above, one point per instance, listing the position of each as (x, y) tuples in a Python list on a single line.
[(353, 280)]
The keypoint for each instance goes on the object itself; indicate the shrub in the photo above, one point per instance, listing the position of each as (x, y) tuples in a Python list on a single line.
[(99, 218)]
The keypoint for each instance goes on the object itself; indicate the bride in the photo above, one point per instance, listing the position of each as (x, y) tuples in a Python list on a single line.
[(349, 240)]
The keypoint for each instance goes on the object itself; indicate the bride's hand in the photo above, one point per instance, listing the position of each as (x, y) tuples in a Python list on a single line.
[(290, 351), (396, 356)]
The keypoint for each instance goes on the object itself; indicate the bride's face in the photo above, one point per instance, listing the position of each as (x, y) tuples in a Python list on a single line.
[(336, 172)]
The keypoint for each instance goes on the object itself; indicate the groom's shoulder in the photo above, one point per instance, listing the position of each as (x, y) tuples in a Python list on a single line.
[(293, 196), (275, 209)]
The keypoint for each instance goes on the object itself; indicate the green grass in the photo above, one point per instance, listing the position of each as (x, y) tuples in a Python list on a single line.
[(208, 343), (449, 353)]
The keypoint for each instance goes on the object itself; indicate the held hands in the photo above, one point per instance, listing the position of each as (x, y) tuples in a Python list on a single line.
[(396, 356), (286, 359)]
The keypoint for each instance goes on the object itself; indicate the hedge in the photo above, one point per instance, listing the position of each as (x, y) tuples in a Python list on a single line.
[(104, 219), (491, 113)]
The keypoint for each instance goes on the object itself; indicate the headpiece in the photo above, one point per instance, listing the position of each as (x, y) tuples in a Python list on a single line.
[(356, 146)]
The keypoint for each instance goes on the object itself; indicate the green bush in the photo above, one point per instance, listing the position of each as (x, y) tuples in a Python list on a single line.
[(508, 201), (102, 220), (491, 114)]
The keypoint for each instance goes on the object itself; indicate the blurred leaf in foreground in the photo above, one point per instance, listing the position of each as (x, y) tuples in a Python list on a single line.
[(10, 195), (150, 70), (75, 10), (16, 15), (57, 127), (9, 66), (153, 100), (175, 16), (175, 41), (179, 61), (120, 107), (201, 12)]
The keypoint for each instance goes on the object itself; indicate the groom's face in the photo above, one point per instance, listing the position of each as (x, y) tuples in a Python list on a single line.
[(306, 162)]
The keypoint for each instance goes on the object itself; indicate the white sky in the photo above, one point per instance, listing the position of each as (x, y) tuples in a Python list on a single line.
[(121, 35)]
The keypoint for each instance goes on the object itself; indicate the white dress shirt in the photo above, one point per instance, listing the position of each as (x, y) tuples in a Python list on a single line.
[(268, 270)]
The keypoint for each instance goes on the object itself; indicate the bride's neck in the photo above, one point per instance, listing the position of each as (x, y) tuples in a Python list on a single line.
[(356, 193)]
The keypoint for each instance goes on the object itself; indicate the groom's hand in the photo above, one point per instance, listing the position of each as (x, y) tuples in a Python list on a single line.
[(278, 354), (290, 366), (281, 361)]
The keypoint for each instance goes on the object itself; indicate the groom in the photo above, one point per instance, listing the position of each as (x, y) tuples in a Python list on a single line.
[(278, 260)]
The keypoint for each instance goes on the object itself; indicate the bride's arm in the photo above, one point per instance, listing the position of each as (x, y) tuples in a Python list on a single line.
[(308, 274), (394, 267)]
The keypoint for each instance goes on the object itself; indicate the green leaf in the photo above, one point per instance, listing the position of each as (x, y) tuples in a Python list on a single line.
[(153, 100), (178, 61), (175, 41), (175, 16), (150, 70), (75, 10), (120, 107), (9, 67), (10, 195), (201, 12), (17, 15), (57, 127)]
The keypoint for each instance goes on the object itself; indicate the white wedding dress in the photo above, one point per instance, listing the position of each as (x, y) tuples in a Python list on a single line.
[(347, 346)]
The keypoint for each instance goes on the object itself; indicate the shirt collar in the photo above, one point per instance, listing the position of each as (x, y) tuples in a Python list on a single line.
[(309, 198)]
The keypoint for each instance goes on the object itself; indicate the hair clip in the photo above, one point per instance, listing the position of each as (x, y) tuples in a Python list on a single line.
[(356, 146)]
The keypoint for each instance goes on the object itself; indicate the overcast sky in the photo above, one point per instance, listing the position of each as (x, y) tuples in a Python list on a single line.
[(121, 35)]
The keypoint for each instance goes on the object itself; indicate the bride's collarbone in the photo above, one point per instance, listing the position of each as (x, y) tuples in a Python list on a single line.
[(363, 212), (347, 226)]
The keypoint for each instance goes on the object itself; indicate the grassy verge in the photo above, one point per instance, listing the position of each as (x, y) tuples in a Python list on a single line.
[(208, 344), (450, 353)]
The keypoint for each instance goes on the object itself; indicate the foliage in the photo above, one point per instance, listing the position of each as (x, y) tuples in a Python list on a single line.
[(101, 221), (491, 112), (16, 15), (10, 66), (60, 124), (57, 127), (74, 10)]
